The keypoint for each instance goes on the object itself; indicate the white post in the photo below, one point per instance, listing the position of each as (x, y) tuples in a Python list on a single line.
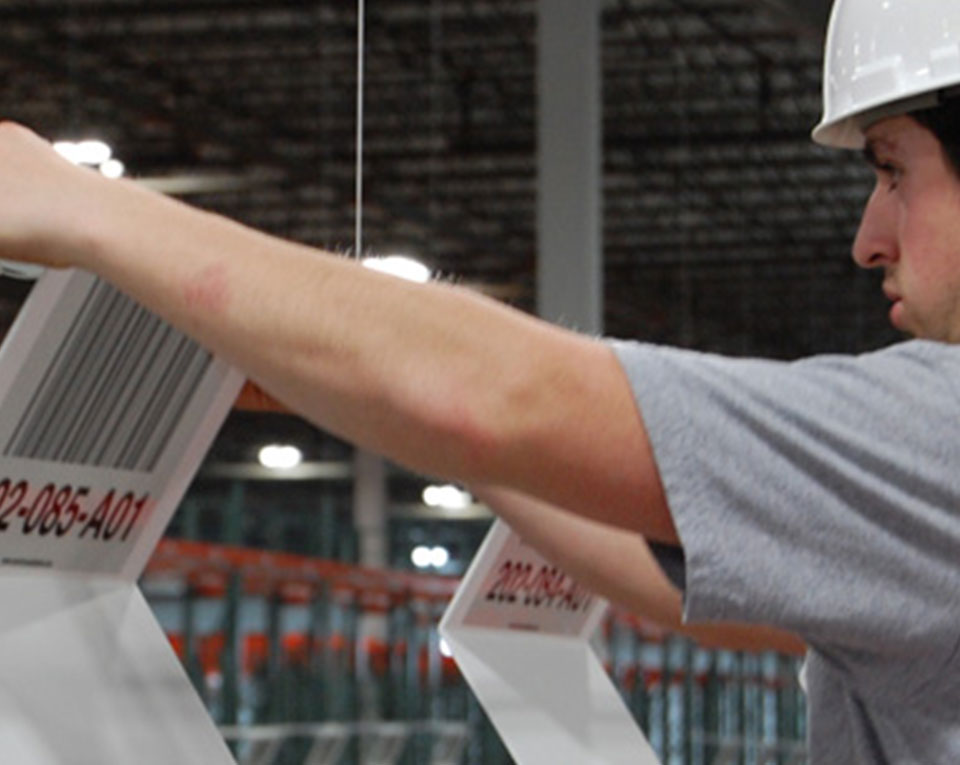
[(370, 520)]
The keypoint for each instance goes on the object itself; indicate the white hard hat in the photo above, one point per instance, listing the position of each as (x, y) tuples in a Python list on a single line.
[(882, 58)]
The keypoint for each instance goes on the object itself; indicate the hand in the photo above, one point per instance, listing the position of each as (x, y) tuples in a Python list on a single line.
[(46, 203)]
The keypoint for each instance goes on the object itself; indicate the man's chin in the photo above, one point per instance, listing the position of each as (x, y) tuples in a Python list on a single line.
[(898, 317), (902, 322), (912, 330)]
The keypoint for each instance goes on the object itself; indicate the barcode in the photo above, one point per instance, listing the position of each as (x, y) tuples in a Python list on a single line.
[(114, 391)]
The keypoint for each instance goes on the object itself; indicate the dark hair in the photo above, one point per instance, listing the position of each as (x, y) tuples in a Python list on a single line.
[(943, 121)]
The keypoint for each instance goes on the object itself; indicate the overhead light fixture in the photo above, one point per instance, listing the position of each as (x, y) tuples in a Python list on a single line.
[(112, 168), (421, 556), (447, 497), (399, 265), (439, 557), (280, 456), (430, 557), (91, 153)]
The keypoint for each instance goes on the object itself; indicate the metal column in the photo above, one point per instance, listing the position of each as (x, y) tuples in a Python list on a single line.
[(370, 517), (570, 147), (370, 508)]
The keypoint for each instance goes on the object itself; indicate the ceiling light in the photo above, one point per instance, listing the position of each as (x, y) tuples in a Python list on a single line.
[(67, 150), (429, 557), (400, 265), (280, 456), (421, 556), (447, 497), (112, 168), (90, 152), (439, 557)]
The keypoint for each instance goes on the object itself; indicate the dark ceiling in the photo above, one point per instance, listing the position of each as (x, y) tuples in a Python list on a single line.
[(724, 227)]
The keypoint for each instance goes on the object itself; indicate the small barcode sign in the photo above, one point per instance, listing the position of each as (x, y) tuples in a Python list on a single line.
[(114, 391)]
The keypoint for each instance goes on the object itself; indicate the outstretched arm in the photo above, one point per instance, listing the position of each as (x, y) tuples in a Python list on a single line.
[(619, 566), (439, 379)]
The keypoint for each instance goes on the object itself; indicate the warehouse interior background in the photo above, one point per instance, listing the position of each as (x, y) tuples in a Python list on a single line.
[(723, 229)]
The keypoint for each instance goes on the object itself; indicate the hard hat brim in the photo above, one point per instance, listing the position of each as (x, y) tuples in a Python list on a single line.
[(847, 131)]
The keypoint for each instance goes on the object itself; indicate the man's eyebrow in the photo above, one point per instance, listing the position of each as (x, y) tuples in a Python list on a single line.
[(874, 146)]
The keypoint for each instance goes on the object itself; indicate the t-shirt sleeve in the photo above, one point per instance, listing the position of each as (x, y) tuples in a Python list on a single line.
[(818, 495)]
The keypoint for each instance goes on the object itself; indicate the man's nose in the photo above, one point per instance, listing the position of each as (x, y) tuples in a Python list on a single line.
[(876, 243)]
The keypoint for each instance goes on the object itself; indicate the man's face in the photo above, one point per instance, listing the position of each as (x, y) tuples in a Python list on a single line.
[(911, 229)]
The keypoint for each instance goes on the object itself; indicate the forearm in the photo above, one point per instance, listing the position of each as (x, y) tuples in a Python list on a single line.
[(446, 382), (619, 566), (356, 351), (442, 380), (615, 564)]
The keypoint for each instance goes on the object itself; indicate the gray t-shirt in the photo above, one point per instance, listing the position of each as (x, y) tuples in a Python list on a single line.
[(823, 496)]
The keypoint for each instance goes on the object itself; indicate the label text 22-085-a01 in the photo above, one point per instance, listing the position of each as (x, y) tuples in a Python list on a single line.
[(60, 510)]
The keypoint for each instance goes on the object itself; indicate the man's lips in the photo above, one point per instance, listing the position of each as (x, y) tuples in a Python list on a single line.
[(896, 306)]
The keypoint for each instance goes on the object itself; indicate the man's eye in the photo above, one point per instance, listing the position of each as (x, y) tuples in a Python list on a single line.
[(889, 172)]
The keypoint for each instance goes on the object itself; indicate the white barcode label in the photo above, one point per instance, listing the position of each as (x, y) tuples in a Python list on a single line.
[(115, 390), (105, 414)]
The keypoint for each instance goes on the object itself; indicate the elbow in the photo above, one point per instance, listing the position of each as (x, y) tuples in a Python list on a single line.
[(469, 442), (489, 432), (496, 418), (445, 432)]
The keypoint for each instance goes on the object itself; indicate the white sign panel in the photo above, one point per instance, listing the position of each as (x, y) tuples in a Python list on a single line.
[(511, 586), (105, 414), (88, 678), (519, 629)]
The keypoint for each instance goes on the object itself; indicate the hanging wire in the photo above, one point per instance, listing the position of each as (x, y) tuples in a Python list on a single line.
[(358, 219), (436, 132)]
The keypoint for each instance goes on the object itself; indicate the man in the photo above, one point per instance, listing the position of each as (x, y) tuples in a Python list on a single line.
[(820, 496)]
